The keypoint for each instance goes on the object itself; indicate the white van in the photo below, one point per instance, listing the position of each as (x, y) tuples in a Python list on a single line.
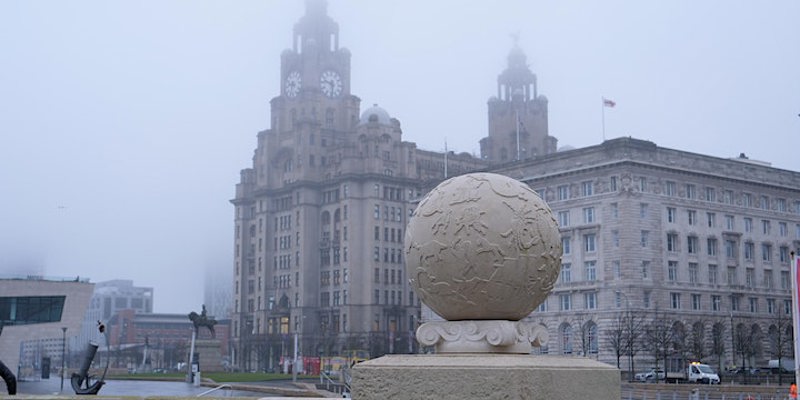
[(702, 373)]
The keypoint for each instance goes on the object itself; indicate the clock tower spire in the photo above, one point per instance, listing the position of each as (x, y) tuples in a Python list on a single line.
[(517, 115)]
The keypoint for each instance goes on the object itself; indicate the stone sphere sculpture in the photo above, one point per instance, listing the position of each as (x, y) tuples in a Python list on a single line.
[(482, 247)]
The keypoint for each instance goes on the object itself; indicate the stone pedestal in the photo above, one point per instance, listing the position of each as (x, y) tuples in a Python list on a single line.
[(210, 354), (485, 376)]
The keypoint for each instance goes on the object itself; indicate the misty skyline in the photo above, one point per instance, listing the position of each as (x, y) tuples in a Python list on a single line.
[(125, 125)]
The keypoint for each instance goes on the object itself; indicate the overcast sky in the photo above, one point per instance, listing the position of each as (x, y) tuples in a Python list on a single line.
[(124, 124)]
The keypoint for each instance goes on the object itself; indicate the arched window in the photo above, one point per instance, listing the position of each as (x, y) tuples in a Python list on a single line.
[(592, 331), (566, 338)]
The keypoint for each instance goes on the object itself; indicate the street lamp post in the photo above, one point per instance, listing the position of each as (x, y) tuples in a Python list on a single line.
[(63, 354)]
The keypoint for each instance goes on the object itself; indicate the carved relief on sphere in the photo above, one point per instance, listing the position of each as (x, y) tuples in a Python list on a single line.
[(483, 246)]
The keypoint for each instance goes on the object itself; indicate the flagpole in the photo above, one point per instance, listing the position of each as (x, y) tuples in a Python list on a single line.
[(796, 314), (603, 109), (445, 158), (516, 113)]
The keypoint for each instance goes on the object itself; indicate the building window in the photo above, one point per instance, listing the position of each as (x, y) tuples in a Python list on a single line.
[(588, 215), (766, 226), (613, 184), (753, 304), (645, 269), (715, 303), (768, 281), (590, 270), (563, 218), (764, 203), (748, 224), (615, 238), (784, 254), (675, 301), (771, 306), (728, 197), (671, 211), (711, 246), (614, 210), (711, 218), (749, 277), (587, 188), (566, 273), (729, 223), (566, 339), (566, 302), (566, 245), (589, 243), (563, 192), (692, 217), (645, 238), (730, 249), (695, 301), (783, 229), (670, 188), (690, 191), (711, 194), (692, 245), (591, 300), (643, 210), (672, 242), (747, 200), (693, 273), (785, 280), (732, 280), (712, 274), (766, 252), (616, 269), (672, 271), (749, 249)]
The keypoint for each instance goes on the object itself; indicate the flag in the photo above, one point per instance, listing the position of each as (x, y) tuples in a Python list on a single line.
[(795, 311), (608, 103)]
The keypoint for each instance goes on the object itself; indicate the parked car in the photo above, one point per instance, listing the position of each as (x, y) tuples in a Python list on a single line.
[(650, 376)]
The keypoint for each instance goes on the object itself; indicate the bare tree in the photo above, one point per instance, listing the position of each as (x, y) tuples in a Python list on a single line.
[(718, 342), (780, 339), (616, 337), (633, 334), (658, 337), (697, 340)]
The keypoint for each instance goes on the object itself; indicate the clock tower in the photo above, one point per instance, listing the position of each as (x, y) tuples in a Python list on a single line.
[(315, 108), (517, 115)]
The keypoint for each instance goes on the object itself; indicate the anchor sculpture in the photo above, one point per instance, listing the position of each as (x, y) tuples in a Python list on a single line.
[(6, 374), (81, 381)]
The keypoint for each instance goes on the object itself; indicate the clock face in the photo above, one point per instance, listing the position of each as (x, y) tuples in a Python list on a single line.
[(331, 83), (293, 83)]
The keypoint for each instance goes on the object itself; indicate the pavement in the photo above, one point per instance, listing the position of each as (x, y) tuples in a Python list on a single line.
[(51, 388)]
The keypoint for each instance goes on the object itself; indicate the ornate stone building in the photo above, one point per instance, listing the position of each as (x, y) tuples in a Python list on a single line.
[(320, 216), (700, 242), (695, 242)]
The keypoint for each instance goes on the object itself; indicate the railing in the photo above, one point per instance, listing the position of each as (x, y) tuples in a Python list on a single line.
[(223, 386)]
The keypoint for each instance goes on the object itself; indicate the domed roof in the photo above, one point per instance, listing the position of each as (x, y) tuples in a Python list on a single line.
[(375, 114)]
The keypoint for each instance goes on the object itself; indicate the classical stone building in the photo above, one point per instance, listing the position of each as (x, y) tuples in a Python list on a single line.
[(686, 240), (320, 216), (692, 241)]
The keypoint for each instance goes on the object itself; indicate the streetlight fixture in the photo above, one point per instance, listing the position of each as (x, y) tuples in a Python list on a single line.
[(63, 354)]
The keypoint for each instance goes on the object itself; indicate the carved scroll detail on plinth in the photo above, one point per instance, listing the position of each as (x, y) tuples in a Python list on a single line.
[(492, 336)]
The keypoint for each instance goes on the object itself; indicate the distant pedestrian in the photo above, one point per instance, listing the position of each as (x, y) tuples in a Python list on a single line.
[(793, 391)]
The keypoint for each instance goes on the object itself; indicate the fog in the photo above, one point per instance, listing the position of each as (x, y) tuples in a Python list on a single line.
[(123, 125)]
